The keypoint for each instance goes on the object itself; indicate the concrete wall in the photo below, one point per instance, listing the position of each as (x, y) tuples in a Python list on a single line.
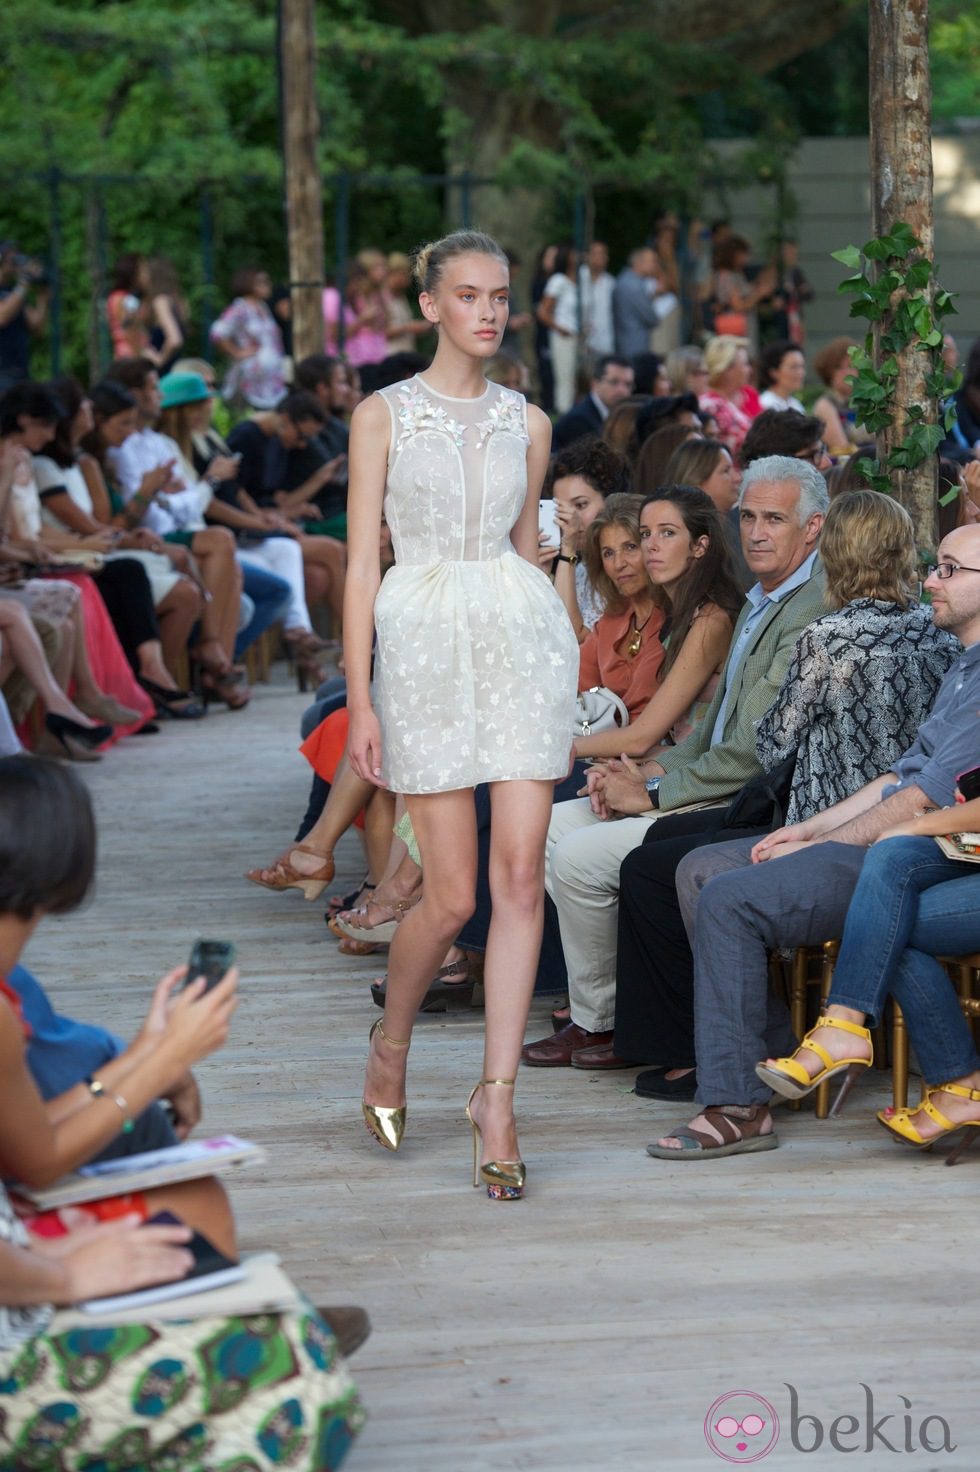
[(829, 177)]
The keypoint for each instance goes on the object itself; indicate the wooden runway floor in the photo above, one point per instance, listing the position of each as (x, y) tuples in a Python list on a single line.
[(591, 1326)]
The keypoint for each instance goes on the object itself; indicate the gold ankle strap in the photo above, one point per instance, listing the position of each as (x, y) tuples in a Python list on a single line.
[(506, 1082), (394, 1042)]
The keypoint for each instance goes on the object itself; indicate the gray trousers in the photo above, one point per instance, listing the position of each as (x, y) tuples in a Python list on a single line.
[(735, 912)]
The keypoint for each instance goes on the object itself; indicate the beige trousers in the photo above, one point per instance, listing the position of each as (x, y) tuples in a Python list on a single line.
[(583, 859)]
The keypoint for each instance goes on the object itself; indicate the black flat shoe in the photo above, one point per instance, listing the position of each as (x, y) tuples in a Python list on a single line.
[(61, 727), (653, 1083)]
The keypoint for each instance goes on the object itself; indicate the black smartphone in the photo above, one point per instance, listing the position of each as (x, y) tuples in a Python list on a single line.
[(969, 783), (207, 1258), (211, 959)]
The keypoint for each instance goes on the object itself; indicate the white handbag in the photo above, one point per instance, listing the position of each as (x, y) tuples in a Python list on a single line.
[(599, 709)]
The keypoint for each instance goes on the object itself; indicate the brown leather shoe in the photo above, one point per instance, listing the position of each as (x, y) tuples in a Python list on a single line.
[(556, 1051), (603, 1056)]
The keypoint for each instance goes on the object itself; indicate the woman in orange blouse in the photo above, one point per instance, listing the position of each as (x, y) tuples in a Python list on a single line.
[(623, 651), (689, 566)]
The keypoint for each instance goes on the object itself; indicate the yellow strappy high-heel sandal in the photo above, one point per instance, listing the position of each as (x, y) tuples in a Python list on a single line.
[(792, 1079), (901, 1125), (386, 1125), (504, 1179)]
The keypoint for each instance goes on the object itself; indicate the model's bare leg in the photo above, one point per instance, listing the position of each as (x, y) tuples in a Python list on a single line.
[(445, 826), (521, 814)]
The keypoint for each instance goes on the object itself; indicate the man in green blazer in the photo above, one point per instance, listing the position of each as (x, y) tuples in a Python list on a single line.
[(782, 505)]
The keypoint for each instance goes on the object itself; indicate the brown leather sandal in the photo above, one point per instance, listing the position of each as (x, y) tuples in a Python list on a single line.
[(728, 1129)]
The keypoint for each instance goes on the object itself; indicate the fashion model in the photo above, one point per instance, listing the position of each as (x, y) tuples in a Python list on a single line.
[(475, 675)]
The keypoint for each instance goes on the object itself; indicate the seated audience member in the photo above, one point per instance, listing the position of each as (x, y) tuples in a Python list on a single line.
[(793, 887), (137, 582), (174, 510), (656, 453), (623, 652), (846, 477), (650, 376), (783, 503), (266, 538), (687, 372), (47, 842), (729, 372), (782, 373), (686, 559), (708, 465), (510, 372), (963, 507), (579, 480), (327, 380), (619, 430), (910, 905), (785, 432), (68, 731), (833, 367), (860, 685), (612, 383), (265, 443)]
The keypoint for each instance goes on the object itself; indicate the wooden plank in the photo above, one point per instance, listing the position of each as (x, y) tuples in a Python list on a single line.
[(589, 1327)]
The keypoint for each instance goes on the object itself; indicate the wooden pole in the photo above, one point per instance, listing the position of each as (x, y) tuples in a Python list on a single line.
[(900, 96), (300, 124)]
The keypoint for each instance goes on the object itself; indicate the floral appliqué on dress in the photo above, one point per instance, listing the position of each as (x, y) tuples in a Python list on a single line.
[(418, 412), (507, 414)]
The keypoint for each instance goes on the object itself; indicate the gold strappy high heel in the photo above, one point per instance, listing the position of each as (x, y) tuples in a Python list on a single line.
[(386, 1125), (504, 1179)]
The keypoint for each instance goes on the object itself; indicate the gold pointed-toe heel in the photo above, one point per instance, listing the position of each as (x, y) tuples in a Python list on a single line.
[(504, 1179), (386, 1125)]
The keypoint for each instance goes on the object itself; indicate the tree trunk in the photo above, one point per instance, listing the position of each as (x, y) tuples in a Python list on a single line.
[(304, 207), (901, 185)]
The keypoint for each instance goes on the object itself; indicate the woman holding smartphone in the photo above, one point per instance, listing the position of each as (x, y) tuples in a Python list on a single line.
[(475, 675)]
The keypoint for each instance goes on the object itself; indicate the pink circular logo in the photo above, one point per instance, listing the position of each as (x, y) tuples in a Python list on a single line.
[(741, 1427)]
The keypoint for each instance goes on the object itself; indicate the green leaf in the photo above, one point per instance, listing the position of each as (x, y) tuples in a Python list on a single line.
[(918, 275), (903, 239), (878, 249), (933, 339), (850, 257), (853, 283), (950, 495)]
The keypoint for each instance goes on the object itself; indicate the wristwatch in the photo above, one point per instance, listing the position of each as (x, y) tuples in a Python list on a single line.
[(572, 561), (653, 789)]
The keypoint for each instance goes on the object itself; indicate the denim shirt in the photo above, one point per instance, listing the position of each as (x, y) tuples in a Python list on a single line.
[(949, 738)]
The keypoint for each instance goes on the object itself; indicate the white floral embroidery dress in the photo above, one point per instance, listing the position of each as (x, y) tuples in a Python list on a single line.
[(476, 669)]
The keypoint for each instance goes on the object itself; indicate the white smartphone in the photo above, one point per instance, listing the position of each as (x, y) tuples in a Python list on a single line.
[(548, 526)]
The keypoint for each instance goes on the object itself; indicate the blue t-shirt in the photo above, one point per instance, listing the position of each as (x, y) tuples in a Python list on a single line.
[(60, 1051)]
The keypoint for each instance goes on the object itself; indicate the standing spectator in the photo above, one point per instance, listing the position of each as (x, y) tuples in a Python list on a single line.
[(20, 317), (781, 314), (734, 298), (367, 338), (613, 382), (542, 337), (782, 372), (639, 302), (249, 334), (667, 334), (403, 327), (168, 312), (596, 286), (559, 311), (124, 309), (727, 361), (833, 365)]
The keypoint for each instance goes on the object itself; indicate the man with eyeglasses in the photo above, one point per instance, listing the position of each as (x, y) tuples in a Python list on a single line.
[(792, 888), (613, 382), (786, 432)]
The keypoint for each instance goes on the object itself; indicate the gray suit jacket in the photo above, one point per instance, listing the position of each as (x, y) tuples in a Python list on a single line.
[(635, 313), (696, 770)]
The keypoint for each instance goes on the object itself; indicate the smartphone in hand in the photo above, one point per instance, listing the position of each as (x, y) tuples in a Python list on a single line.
[(212, 959), (548, 527)]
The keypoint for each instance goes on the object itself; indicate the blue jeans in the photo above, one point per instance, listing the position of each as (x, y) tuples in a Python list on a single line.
[(912, 903), (270, 594)]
